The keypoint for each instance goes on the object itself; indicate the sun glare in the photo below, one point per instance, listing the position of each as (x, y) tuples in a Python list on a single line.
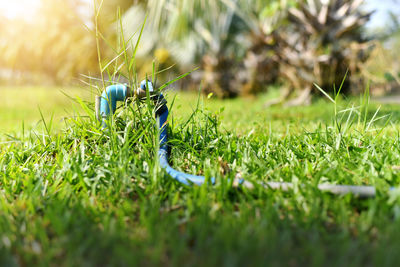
[(18, 8)]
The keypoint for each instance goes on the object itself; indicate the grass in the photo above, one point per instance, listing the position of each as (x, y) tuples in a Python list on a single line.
[(21, 106), (75, 195)]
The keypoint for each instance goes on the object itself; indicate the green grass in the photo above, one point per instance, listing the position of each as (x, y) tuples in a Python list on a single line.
[(22, 106), (76, 195)]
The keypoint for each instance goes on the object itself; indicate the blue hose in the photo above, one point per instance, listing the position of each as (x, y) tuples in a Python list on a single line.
[(109, 98), (120, 92), (108, 105)]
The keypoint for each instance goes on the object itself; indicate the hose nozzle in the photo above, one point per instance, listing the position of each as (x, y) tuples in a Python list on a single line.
[(145, 85)]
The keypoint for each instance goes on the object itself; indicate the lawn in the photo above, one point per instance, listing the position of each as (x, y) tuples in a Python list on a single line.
[(21, 106), (75, 195)]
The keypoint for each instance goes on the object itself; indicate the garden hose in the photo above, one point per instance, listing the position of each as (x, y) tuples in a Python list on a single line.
[(106, 106)]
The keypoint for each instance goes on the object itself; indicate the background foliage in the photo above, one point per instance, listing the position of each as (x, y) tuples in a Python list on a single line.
[(240, 46)]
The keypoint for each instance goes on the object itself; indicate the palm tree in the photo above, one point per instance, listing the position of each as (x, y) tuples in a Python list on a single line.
[(194, 33), (322, 42), (242, 45), (261, 19)]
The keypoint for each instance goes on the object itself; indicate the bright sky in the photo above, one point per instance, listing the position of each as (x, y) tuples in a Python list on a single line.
[(16, 8), (379, 18)]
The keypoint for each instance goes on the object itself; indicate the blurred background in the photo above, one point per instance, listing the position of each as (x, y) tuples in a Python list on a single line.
[(242, 48)]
